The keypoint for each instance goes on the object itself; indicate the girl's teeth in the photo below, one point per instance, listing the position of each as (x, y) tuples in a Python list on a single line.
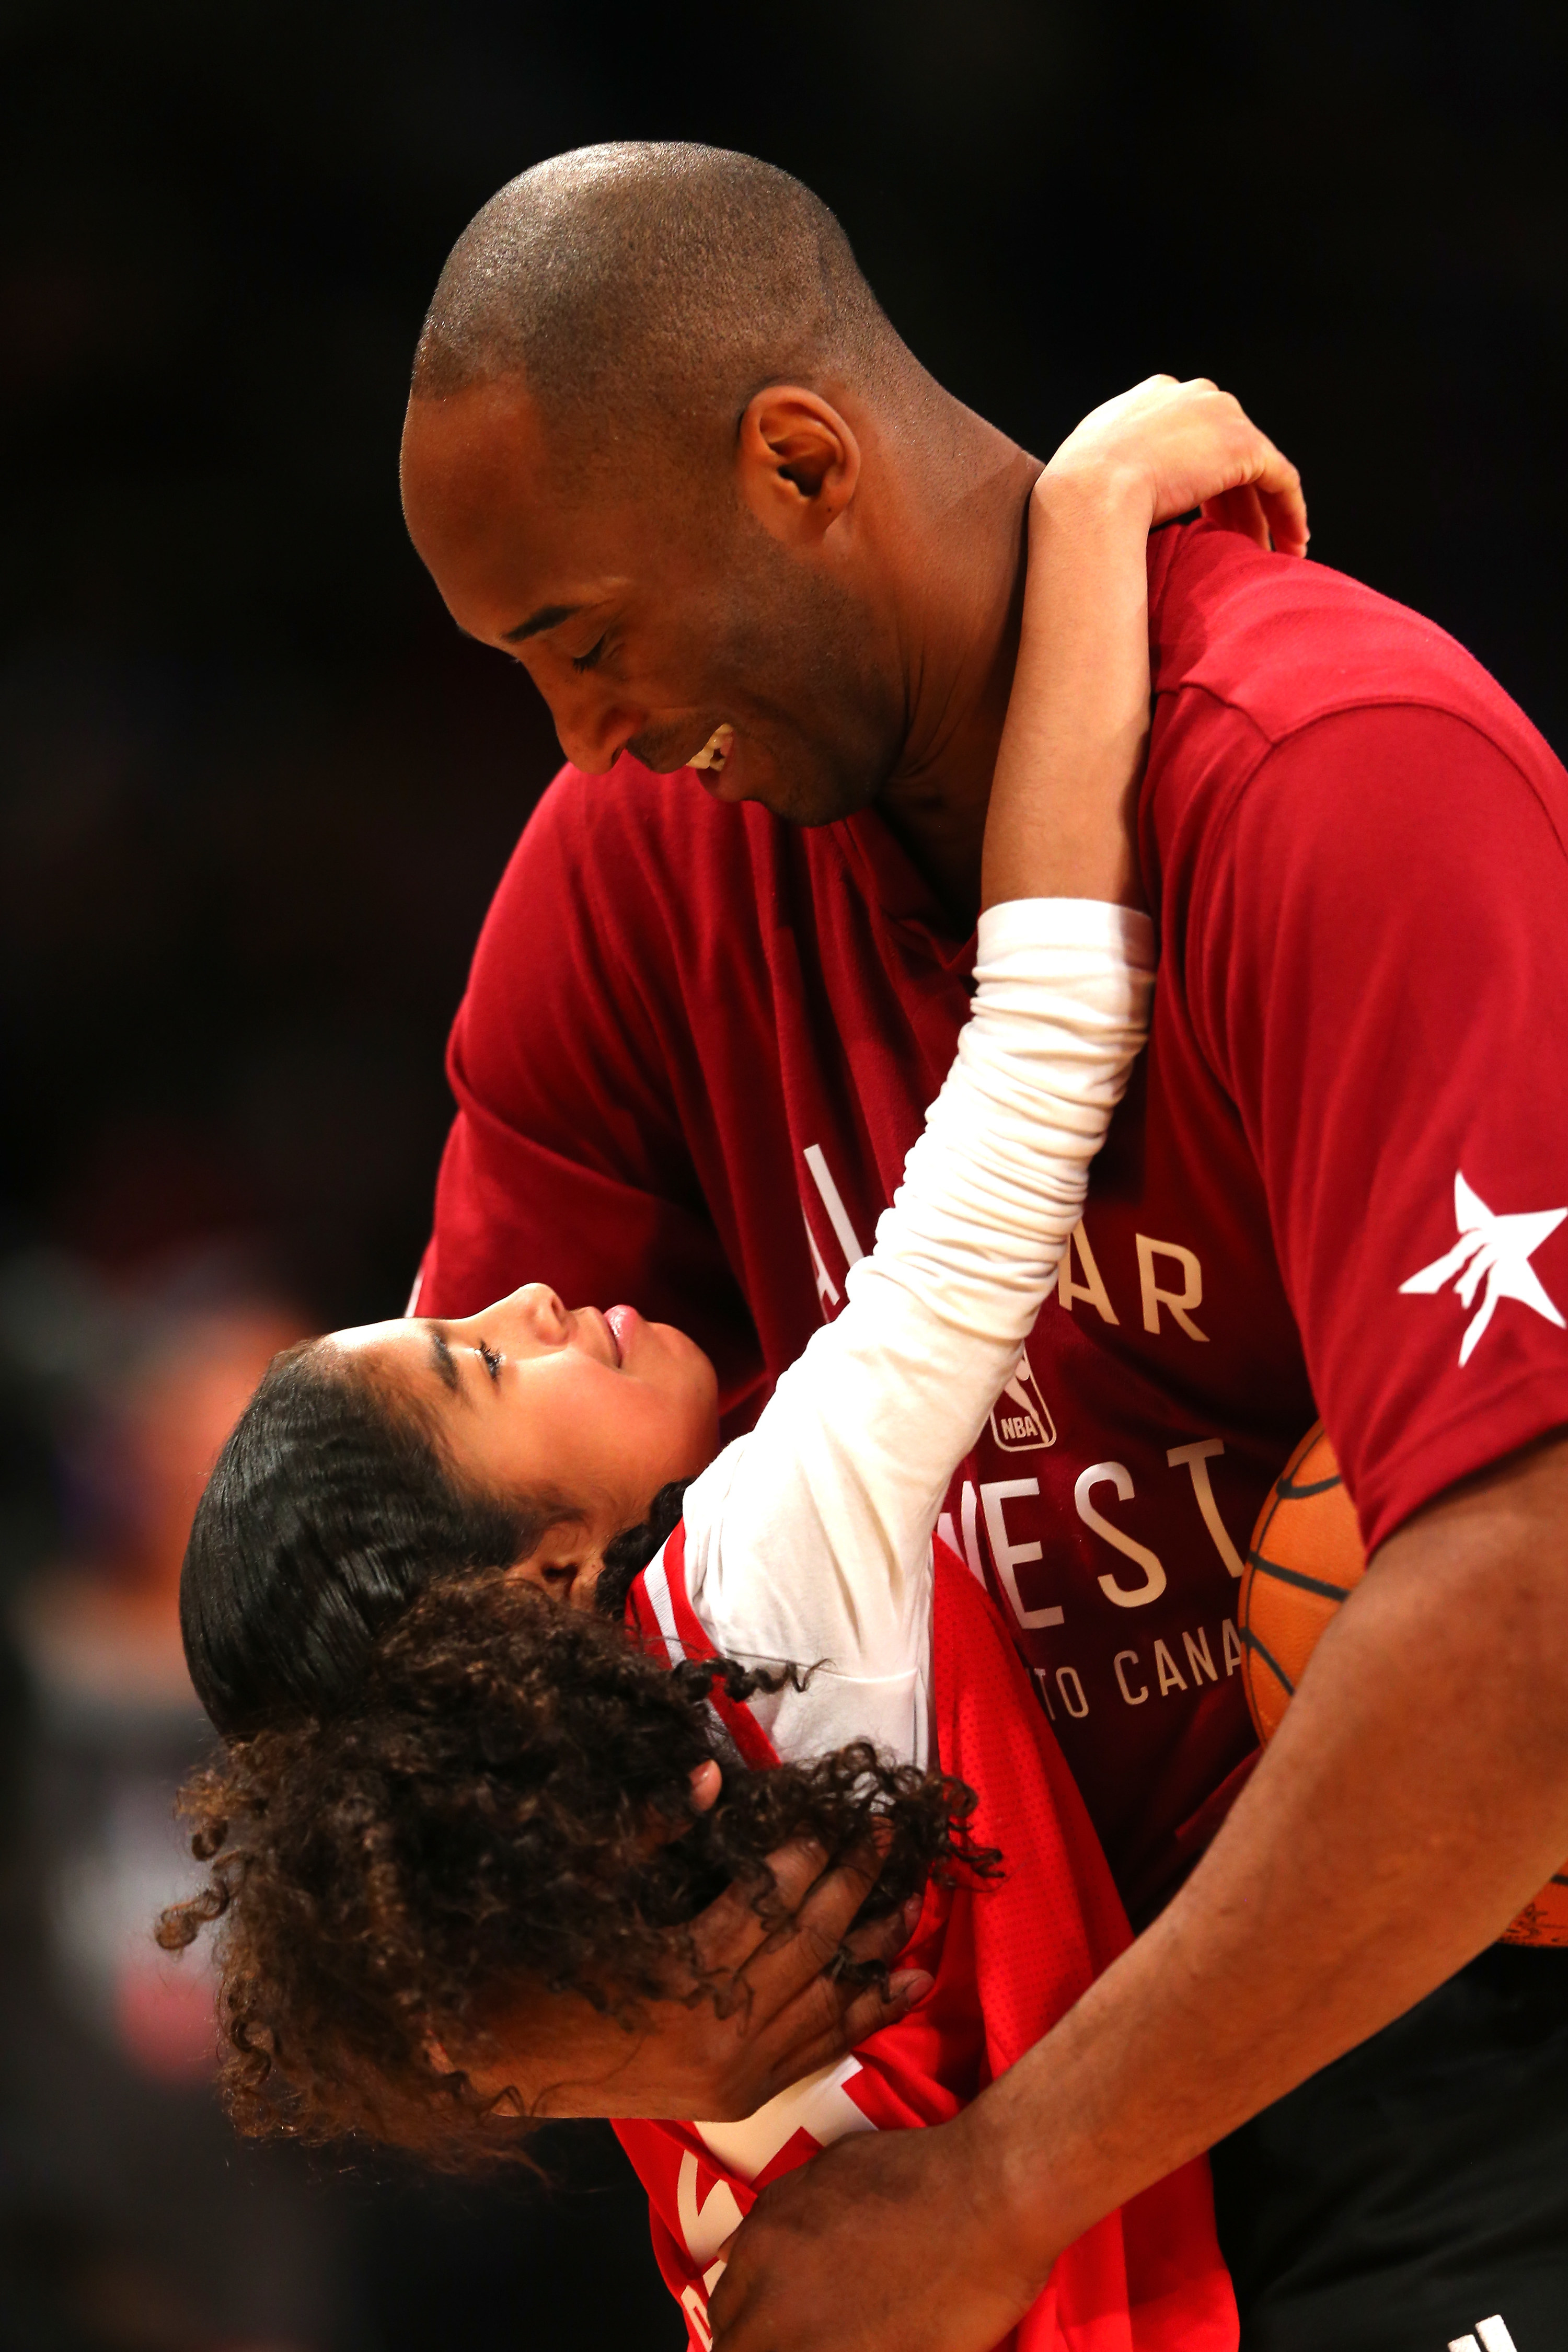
[(716, 751)]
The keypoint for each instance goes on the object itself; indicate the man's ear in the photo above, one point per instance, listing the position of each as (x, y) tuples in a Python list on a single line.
[(799, 463)]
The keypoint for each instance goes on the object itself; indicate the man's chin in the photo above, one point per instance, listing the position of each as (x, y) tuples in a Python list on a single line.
[(809, 785), (806, 797)]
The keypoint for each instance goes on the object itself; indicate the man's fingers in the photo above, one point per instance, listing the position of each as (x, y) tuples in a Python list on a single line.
[(884, 1939), (800, 1868), (807, 1938), (800, 1928), (733, 1928), (872, 2009), (825, 2022), (807, 1941)]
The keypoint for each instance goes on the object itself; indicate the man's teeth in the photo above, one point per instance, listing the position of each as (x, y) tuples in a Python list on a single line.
[(716, 751)]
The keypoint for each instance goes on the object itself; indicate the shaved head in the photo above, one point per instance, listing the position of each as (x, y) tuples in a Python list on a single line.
[(645, 282), (665, 450)]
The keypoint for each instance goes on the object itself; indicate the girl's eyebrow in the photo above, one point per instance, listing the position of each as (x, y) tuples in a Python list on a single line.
[(445, 1363)]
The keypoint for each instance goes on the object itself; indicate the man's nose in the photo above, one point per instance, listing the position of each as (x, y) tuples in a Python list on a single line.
[(593, 733)]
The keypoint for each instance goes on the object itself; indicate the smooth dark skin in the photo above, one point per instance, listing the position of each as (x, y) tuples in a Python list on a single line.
[(850, 606), (1417, 1793)]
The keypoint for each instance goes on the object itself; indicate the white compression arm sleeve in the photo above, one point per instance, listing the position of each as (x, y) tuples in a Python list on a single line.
[(809, 1539)]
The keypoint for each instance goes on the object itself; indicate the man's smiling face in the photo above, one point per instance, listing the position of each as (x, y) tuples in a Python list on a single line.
[(651, 607)]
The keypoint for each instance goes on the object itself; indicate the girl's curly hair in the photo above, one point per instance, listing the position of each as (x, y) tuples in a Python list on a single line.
[(504, 1796)]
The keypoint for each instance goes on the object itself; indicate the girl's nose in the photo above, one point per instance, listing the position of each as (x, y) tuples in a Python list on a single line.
[(547, 1317)]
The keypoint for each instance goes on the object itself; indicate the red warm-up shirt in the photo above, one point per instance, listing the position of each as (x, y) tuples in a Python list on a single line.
[(698, 1044)]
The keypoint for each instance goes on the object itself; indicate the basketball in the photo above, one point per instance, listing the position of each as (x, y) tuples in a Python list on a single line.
[(1306, 1555)]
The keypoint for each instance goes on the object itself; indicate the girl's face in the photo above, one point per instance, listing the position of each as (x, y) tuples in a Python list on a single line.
[(529, 1397)]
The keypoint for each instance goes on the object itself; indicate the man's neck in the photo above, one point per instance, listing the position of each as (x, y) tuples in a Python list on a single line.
[(963, 555)]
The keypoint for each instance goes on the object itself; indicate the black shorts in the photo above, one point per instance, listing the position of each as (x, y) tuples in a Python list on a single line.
[(1419, 2185)]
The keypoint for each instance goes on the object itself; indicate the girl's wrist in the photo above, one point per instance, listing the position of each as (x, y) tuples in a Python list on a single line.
[(1093, 488)]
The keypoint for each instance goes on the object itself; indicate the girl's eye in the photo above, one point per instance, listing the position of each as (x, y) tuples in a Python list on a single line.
[(580, 662), (489, 1358)]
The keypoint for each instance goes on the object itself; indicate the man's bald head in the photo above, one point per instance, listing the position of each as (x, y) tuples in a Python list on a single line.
[(665, 449), (650, 282)]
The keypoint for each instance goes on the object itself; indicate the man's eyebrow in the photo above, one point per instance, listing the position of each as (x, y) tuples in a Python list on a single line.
[(445, 1363), (548, 617)]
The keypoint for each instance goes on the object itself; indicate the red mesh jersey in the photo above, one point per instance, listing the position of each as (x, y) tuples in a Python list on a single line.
[(1009, 1959)]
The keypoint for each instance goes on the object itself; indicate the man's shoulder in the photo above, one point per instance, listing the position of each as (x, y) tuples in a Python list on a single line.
[(1271, 646)]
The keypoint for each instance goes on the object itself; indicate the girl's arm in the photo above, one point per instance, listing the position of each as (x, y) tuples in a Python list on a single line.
[(810, 1539), (1059, 822)]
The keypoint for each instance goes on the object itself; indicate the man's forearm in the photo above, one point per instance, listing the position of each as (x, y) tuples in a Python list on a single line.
[(1414, 1799)]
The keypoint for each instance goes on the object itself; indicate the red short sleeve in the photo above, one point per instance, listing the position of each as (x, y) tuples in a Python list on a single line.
[(1378, 965)]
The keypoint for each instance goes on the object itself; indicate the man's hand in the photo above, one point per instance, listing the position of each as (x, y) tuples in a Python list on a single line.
[(558, 2056), (889, 2237)]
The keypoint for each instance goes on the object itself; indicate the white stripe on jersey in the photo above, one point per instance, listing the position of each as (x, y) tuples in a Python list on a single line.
[(655, 1584), (817, 2103)]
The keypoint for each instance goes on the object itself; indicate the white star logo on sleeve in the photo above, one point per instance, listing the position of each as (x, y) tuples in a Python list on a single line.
[(1500, 1250)]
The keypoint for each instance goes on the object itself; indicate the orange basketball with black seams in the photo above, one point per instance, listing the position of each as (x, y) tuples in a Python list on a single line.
[(1306, 1555)]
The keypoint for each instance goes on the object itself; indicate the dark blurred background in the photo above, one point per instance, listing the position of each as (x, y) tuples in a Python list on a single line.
[(255, 792)]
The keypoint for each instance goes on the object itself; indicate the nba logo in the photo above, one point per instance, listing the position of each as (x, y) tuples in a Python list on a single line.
[(1020, 1420)]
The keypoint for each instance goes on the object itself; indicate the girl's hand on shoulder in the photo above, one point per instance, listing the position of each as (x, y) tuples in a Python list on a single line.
[(1166, 447)]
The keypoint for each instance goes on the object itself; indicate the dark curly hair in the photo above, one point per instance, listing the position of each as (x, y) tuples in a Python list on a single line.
[(501, 1800)]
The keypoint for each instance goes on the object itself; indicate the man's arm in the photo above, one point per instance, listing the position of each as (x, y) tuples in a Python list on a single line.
[(1409, 1806), (1375, 961)]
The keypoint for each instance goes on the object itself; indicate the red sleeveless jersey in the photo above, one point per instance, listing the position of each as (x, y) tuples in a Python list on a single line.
[(1009, 1958)]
